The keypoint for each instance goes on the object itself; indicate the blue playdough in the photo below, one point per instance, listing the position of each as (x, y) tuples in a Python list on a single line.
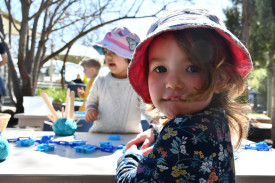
[(64, 127), (4, 148)]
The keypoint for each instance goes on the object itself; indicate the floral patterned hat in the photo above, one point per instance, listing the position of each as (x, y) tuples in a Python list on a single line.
[(179, 20), (119, 40)]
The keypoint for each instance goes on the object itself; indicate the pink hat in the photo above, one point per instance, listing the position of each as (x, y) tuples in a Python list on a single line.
[(119, 40), (179, 20)]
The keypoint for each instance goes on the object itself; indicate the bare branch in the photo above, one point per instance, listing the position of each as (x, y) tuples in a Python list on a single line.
[(10, 15), (86, 32), (139, 7)]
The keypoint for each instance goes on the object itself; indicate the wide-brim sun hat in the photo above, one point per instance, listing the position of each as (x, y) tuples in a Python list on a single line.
[(119, 40), (179, 20)]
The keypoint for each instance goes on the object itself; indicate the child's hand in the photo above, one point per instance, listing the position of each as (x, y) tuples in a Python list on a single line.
[(132, 148), (145, 152), (91, 115), (145, 138), (80, 92)]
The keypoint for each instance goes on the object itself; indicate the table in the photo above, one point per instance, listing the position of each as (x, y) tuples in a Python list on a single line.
[(255, 166), (64, 165), (26, 164), (37, 120)]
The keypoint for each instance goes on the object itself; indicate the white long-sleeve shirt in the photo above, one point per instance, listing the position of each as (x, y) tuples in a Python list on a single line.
[(118, 106)]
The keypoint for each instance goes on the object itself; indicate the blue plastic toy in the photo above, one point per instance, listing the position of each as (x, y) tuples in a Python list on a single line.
[(106, 144), (78, 143), (85, 148), (72, 144), (260, 146), (25, 142), (18, 139), (45, 147), (111, 148), (114, 137), (46, 139)]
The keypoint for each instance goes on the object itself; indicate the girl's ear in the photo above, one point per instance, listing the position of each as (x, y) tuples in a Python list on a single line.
[(222, 82)]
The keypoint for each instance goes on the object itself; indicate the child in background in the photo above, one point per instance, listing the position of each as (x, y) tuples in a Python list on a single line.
[(190, 68), (78, 79), (2, 62), (91, 68), (113, 105), (3, 55)]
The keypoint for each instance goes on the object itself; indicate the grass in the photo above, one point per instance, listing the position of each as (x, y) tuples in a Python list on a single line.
[(58, 95)]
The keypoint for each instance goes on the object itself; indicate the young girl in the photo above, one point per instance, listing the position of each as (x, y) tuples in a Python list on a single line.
[(113, 105), (190, 68)]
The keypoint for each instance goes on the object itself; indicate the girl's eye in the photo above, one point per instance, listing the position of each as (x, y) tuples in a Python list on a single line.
[(160, 69), (192, 68)]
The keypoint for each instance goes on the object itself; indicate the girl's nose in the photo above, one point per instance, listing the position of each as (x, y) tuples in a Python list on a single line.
[(174, 80), (108, 58)]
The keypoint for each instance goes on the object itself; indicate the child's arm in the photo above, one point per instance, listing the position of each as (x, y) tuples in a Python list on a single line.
[(91, 113), (92, 102), (127, 166)]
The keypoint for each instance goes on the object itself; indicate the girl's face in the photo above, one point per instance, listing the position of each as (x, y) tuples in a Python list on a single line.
[(117, 64), (172, 77)]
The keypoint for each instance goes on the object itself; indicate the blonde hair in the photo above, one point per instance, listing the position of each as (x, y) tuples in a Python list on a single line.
[(210, 52)]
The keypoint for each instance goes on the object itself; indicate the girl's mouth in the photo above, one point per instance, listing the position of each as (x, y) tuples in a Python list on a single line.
[(180, 99)]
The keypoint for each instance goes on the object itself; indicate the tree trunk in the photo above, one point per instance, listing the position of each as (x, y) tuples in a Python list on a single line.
[(62, 72), (14, 85), (248, 10), (273, 108)]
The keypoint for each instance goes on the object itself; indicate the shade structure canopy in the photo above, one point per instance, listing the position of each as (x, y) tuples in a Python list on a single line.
[(17, 24)]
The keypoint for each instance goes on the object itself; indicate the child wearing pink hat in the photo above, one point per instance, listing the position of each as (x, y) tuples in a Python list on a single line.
[(190, 69), (112, 105)]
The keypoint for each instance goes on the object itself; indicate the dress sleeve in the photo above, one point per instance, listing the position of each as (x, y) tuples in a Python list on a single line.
[(127, 166), (186, 150)]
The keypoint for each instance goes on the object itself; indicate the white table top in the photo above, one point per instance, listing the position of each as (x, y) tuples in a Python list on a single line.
[(255, 166), (26, 164)]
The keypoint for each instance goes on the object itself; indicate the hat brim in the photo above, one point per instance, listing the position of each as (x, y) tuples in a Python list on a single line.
[(113, 47)]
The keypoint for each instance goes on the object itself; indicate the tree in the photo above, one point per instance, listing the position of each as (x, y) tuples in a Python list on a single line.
[(65, 22), (258, 32)]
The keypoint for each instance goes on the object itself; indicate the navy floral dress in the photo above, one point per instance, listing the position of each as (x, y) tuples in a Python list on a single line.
[(194, 148)]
